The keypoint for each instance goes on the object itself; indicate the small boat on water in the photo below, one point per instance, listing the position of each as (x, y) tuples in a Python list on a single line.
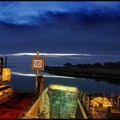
[(55, 101)]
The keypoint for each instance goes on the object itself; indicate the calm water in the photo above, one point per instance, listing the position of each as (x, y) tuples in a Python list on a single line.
[(23, 78), (25, 82)]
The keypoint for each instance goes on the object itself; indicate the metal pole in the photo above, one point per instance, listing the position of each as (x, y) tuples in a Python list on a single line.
[(5, 61)]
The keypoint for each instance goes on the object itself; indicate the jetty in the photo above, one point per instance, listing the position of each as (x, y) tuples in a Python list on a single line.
[(53, 102)]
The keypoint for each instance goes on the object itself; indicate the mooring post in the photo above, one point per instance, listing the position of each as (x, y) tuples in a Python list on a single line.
[(88, 102), (38, 64), (111, 97), (118, 101), (41, 84)]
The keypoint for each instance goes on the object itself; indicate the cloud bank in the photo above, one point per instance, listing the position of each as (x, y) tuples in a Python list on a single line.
[(60, 27), (36, 13)]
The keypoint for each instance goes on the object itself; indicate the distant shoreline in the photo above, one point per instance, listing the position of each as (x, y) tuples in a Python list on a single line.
[(99, 74)]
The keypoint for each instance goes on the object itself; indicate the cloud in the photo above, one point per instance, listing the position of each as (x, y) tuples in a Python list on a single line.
[(34, 13), (67, 27)]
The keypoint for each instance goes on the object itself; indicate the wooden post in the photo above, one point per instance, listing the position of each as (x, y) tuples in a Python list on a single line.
[(38, 64), (36, 84), (41, 84), (88, 103), (83, 100), (111, 97), (81, 93), (37, 73), (118, 101)]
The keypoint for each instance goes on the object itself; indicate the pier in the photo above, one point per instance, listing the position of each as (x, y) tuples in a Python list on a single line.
[(16, 105), (55, 101)]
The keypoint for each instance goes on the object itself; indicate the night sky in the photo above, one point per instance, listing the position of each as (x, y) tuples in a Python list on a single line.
[(63, 32), (60, 27)]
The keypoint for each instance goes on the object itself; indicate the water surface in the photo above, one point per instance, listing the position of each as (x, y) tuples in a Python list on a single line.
[(23, 78)]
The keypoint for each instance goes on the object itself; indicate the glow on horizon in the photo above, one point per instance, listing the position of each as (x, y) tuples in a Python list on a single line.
[(70, 55), (48, 54)]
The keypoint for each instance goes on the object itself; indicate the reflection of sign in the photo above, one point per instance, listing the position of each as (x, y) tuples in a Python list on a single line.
[(37, 63)]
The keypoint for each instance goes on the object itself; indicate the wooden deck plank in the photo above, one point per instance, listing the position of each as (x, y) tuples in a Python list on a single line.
[(13, 106)]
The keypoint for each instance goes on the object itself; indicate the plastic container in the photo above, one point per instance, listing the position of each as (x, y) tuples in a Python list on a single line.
[(63, 101)]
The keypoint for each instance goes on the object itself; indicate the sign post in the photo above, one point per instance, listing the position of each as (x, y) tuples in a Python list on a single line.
[(37, 64), (37, 72)]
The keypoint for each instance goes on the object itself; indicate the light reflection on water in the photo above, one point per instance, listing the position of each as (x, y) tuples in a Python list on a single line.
[(21, 81)]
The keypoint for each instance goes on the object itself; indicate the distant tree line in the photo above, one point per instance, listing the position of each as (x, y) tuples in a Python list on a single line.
[(105, 65), (108, 71)]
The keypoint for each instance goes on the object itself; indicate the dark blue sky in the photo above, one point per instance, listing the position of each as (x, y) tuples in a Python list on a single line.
[(60, 27)]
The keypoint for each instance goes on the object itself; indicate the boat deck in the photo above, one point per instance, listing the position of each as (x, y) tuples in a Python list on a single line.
[(15, 105)]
